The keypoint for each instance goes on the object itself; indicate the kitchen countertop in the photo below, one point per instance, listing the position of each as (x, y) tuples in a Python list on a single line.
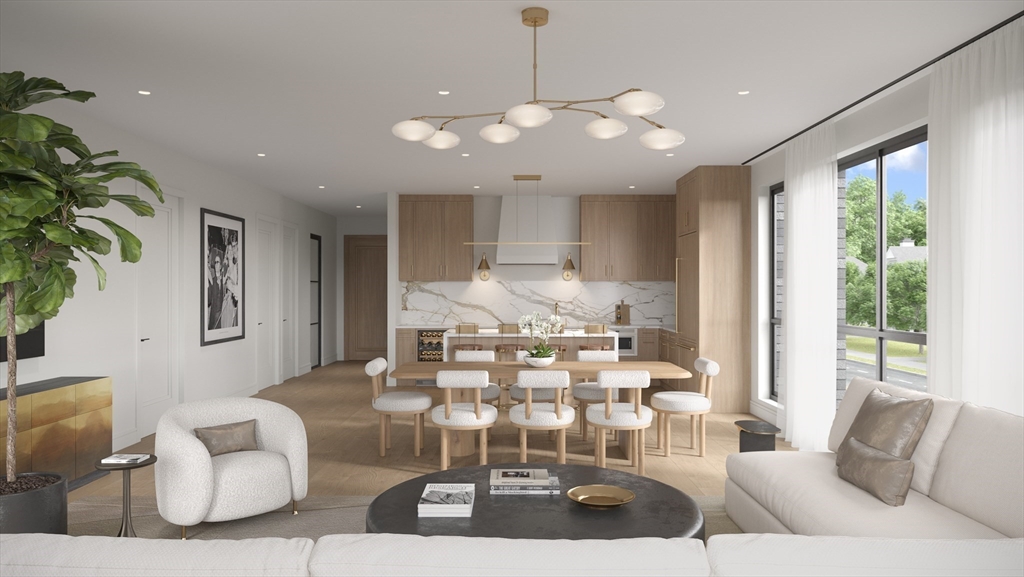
[(570, 333)]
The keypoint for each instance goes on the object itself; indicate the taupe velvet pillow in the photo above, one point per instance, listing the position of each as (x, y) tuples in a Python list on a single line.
[(893, 425), (877, 472), (229, 438)]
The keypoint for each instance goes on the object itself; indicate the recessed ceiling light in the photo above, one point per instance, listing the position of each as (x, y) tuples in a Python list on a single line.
[(322, 186), (443, 92), (260, 154), (670, 154), (465, 154), (631, 186), (477, 186), (743, 92), (359, 206), (145, 92)]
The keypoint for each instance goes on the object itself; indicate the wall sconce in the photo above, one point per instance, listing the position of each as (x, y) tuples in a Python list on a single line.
[(568, 267), (484, 268)]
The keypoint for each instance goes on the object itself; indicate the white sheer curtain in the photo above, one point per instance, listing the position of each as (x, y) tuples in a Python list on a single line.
[(975, 223), (807, 398)]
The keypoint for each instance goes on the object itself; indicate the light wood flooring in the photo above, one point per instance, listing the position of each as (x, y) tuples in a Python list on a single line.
[(341, 430)]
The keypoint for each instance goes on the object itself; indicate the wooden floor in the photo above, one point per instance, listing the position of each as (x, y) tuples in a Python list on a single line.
[(341, 430)]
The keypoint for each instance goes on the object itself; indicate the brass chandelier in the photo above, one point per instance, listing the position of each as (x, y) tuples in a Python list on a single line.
[(532, 114)]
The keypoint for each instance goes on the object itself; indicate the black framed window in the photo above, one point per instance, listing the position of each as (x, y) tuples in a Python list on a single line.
[(315, 302), (883, 200), (777, 194)]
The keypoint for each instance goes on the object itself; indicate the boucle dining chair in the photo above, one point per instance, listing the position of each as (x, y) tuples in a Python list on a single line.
[(531, 416), (493, 392), (588, 392), (475, 416), (633, 417), (518, 393), (387, 404), (694, 404)]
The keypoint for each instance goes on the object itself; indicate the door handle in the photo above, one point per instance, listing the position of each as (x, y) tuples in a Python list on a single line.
[(144, 340), (259, 324), (284, 321)]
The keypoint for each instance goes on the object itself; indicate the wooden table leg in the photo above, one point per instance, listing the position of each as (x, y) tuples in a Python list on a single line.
[(462, 443)]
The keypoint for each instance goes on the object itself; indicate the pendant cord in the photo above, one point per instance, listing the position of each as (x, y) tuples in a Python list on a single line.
[(535, 63)]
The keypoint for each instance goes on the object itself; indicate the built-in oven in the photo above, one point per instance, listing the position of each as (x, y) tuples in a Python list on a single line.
[(628, 344)]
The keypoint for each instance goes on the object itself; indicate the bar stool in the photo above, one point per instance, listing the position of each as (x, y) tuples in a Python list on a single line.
[(560, 351), (596, 348), (467, 347), (633, 417)]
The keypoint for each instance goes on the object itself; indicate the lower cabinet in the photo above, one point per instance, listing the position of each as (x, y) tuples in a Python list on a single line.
[(406, 342)]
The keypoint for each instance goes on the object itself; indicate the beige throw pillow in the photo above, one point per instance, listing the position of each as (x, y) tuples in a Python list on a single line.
[(229, 438), (893, 425), (877, 472)]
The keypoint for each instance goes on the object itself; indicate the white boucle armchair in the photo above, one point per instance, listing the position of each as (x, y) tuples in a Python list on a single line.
[(193, 487)]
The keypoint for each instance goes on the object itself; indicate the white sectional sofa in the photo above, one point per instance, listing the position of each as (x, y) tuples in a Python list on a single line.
[(968, 481), (400, 555)]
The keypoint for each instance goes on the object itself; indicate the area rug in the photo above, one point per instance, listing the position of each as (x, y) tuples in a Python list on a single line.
[(318, 516)]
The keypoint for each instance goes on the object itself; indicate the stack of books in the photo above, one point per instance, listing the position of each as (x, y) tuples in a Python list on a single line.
[(523, 482), (124, 459), (447, 500)]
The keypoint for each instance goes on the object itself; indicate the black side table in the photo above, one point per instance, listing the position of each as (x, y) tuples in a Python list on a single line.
[(126, 470), (757, 436)]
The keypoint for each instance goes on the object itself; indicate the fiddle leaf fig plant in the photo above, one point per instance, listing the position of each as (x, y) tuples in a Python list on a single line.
[(42, 198)]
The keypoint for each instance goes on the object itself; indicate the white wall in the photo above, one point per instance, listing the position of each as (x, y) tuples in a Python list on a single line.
[(351, 225), (899, 110), (95, 333)]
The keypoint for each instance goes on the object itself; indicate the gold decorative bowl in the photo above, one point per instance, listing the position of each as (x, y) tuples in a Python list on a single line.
[(601, 495)]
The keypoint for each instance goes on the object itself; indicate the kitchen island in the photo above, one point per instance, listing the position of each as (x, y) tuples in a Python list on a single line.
[(488, 338)]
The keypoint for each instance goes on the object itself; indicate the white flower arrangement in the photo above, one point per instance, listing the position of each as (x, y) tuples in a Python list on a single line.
[(539, 328)]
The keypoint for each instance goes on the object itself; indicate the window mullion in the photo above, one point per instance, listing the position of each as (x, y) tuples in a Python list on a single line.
[(880, 248)]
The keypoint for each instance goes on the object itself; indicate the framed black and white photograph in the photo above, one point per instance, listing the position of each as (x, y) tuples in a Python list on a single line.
[(223, 277)]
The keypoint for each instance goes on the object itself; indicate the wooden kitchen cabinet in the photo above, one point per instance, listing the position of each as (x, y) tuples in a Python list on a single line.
[(713, 312), (432, 232), (406, 351), (631, 237), (647, 344)]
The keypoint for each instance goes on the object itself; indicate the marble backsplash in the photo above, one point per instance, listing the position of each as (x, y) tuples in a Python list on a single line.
[(492, 302)]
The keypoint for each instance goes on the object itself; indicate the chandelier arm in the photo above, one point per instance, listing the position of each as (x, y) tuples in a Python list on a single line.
[(651, 122), (460, 116), (566, 107)]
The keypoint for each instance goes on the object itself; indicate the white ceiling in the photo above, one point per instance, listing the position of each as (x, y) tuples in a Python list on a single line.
[(316, 86)]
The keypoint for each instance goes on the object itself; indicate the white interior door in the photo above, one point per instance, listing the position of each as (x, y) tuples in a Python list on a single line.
[(289, 302), (267, 303), (157, 301)]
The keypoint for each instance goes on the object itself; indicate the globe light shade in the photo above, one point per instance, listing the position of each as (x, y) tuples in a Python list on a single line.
[(443, 140), (639, 103), (605, 128), (661, 139), (528, 115), (499, 133), (413, 130)]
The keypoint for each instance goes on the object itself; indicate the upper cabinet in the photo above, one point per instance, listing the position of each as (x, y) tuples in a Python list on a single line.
[(432, 232), (687, 203), (632, 238)]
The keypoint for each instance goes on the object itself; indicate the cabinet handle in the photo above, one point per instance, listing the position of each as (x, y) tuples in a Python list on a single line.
[(144, 340)]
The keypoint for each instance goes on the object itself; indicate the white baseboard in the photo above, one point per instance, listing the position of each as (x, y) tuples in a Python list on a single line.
[(764, 410), (303, 369), (124, 440), (330, 359)]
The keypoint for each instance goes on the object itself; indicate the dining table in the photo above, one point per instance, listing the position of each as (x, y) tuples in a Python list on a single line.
[(463, 443)]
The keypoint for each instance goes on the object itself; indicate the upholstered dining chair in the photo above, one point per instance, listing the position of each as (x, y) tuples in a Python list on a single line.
[(493, 392), (694, 404), (387, 404), (475, 416), (194, 486), (517, 393), (633, 417), (531, 416), (588, 392)]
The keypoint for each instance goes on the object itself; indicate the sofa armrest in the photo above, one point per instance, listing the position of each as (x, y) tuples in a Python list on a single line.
[(183, 474), (282, 431)]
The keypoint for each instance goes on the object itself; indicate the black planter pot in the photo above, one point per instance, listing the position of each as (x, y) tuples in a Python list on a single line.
[(43, 510)]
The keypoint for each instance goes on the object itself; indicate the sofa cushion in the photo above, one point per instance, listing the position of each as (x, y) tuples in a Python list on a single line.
[(802, 555), (249, 483), (389, 554), (47, 555), (802, 489), (889, 423), (981, 469), (877, 472), (228, 438), (926, 456)]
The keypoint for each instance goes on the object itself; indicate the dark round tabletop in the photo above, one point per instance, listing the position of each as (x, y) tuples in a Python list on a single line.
[(758, 427), (658, 510), (122, 466)]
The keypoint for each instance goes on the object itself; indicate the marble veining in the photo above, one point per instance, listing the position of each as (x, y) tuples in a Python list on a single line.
[(499, 301)]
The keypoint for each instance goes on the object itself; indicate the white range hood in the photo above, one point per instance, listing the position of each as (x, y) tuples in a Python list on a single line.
[(524, 219)]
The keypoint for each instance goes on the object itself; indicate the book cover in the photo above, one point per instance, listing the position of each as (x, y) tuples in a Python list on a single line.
[(448, 495), (124, 458), (512, 477), (551, 484)]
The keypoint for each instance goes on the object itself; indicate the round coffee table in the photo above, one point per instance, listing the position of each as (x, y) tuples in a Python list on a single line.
[(126, 509), (658, 510)]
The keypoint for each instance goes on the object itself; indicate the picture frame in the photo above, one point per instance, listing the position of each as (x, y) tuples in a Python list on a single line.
[(222, 277)]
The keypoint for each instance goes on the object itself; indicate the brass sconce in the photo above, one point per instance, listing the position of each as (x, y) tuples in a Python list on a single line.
[(484, 268), (568, 267)]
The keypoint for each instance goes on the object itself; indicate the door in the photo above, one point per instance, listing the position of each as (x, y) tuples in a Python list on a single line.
[(157, 300), (622, 230), (267, 283), (366, 312), (289, 302)]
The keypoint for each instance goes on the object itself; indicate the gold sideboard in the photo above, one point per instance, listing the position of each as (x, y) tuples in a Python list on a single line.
[(64, 425)]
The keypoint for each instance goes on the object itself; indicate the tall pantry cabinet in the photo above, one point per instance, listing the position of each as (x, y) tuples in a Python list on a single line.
[(713, 280)]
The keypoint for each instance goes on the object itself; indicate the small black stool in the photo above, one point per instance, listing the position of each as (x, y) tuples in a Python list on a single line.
[(757, 436)]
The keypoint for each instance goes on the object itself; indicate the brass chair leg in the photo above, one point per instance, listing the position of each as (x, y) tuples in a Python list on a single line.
[(182, 532), (295, 508)]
